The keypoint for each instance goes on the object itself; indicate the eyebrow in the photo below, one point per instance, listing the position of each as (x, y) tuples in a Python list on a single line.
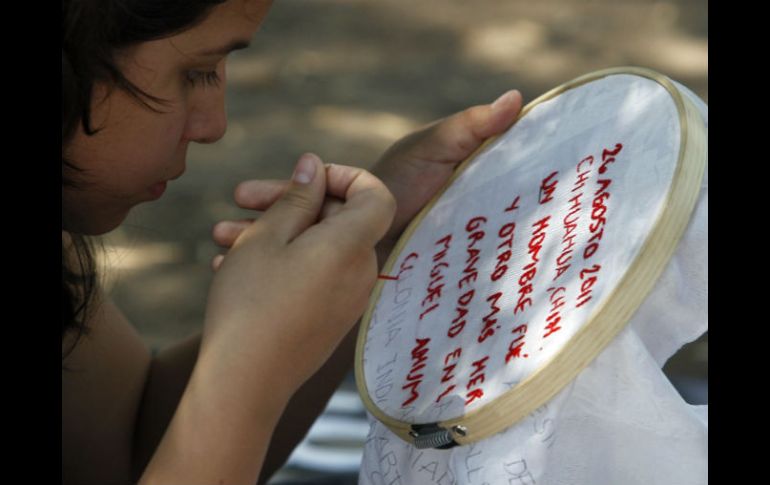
[(224, 50)]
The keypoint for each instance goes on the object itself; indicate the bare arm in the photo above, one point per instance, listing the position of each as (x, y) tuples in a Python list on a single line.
[(170, 373), (101, 393), (306, 405), (117, 402), (221, 429)]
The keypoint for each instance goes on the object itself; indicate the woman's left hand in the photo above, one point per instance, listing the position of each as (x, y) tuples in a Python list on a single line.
[(418, 165), (414, 168)]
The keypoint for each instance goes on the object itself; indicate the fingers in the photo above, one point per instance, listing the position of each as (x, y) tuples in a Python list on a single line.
[(501, 114), (359, 205), (332, 206), (225, 233), (216, 262), (259, 194), (454, 138), (368, 207), (299, 206)]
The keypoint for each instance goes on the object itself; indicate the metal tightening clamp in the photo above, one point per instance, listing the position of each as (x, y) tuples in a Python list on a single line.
[(431, 435)]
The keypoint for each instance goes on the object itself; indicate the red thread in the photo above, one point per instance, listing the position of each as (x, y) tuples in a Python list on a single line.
[(448, 372), (476, 379), (419, 359), (434, 288), (488, 320), (547, 188), (387, 277)]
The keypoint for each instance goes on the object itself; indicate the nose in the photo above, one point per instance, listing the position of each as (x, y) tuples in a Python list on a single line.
[(207, 119)]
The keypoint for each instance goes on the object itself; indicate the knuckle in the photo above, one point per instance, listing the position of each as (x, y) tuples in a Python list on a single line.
[(243, 191), (389, 204), (219, 231), (385, 207), (471, 115), (381, 193)]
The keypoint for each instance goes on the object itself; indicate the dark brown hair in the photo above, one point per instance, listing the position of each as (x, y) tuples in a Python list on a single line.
[(92, 32)]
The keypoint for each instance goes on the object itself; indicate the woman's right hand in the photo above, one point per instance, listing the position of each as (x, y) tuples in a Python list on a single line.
[(296, 280)]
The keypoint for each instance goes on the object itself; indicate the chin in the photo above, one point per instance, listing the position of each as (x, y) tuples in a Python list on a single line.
[(91, 226)]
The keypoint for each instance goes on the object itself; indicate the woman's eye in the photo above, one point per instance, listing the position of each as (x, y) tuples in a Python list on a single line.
[(203, 78)]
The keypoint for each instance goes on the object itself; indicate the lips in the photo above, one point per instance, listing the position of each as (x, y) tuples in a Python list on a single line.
[(157, 190)]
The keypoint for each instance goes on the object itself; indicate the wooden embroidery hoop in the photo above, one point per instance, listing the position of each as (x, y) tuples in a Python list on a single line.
[(606, 320)]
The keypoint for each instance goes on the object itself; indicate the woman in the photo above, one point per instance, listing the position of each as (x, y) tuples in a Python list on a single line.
[(140, 81)]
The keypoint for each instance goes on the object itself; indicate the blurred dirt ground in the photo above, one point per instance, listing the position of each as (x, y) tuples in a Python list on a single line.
[(344, 79)]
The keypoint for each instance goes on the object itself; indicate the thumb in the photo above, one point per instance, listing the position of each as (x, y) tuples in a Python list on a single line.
[(463, 132), (452, 139), (299, 207)]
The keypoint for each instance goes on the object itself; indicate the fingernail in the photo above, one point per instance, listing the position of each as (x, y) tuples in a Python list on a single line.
[(505, 99), (305, 171)]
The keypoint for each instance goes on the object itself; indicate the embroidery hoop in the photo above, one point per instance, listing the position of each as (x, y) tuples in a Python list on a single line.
[(605, 321)]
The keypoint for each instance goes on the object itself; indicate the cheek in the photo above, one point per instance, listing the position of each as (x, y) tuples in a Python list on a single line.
[(120, 165), (129, 156), (154, 151)]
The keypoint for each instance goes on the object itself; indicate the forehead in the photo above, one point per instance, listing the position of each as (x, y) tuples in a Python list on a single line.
[(234, 20)]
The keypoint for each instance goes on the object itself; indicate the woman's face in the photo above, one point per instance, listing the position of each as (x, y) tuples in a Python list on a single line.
[(137, 150)]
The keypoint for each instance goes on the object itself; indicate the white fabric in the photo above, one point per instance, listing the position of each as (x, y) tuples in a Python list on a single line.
[(620, 421)]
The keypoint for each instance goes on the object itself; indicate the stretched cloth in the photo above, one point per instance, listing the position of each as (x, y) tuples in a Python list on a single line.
[(541, 244)]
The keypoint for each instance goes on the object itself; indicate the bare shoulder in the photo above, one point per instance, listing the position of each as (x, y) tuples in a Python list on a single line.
[(101, 393)]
